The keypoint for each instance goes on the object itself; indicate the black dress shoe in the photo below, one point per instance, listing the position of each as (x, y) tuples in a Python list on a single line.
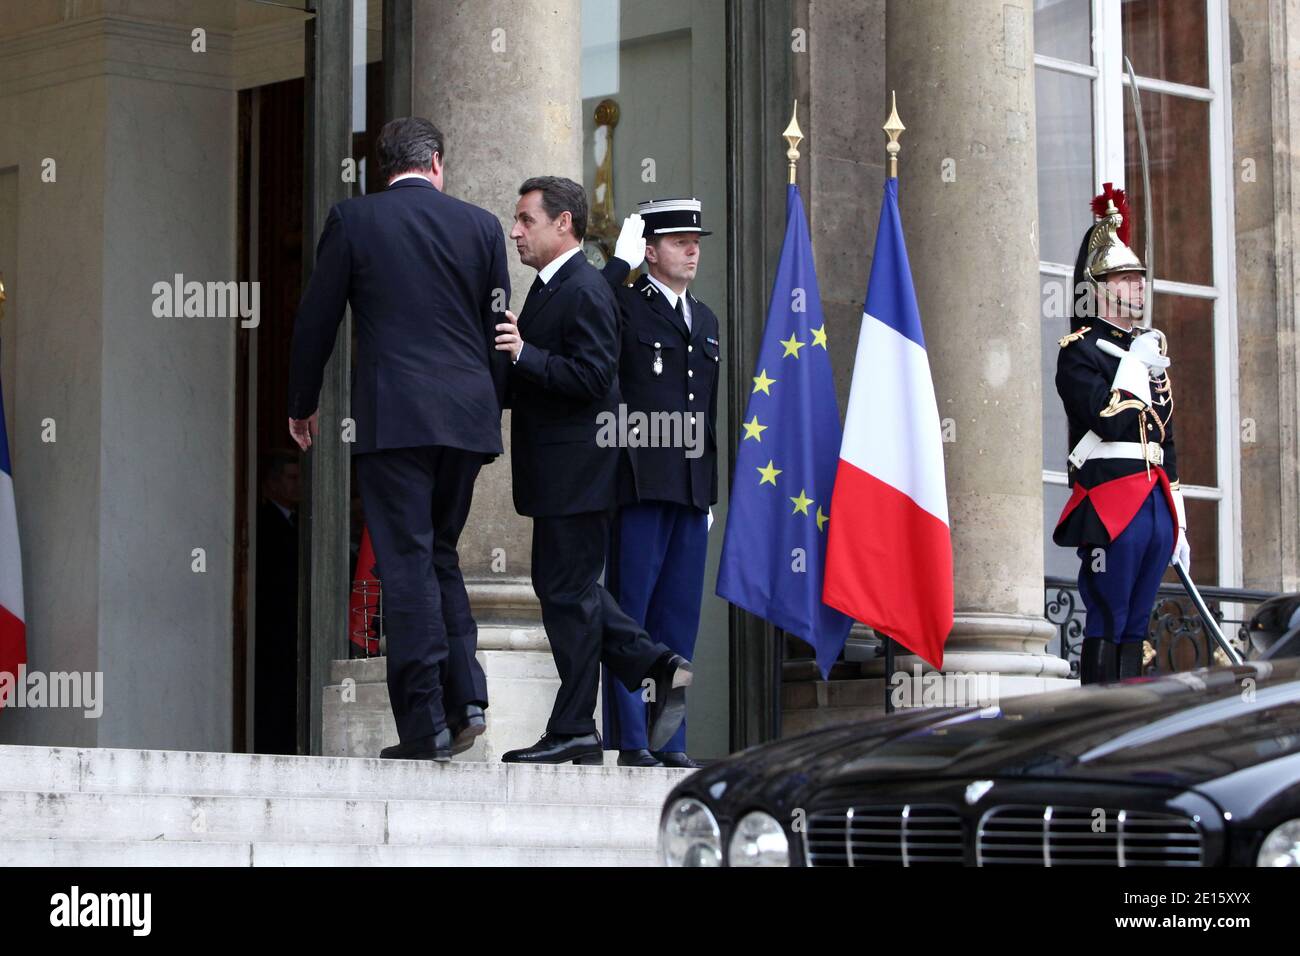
[(465, 726), (671, 675), (433, 747), (637, 758), (669, 758), (582, 749)]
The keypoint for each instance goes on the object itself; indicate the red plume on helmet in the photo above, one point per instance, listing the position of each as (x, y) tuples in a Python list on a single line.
[(1099, 203)]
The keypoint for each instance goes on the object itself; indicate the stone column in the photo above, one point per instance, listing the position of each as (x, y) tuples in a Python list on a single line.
[(963, 72), (121, 432), (501, 80), (1266, 133)]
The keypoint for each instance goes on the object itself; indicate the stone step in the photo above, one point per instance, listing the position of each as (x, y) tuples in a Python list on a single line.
[(138, 817), (36, 852), (188, 773)]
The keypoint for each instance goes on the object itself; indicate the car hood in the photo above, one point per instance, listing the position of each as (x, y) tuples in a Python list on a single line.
[(1183, 730)]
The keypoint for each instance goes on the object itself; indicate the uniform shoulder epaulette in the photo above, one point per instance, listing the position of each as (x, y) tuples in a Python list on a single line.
[(1074, 336)]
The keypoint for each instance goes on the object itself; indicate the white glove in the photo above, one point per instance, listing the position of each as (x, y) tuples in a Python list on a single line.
[(1182, 550), (630, 246), (1132, 376), (1147, 347)]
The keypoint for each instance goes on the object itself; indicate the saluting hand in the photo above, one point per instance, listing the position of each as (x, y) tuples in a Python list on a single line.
[(630, 246), (508, 339)]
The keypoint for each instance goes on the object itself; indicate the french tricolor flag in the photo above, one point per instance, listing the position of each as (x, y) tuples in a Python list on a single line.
[(13, 630), (889, 551)]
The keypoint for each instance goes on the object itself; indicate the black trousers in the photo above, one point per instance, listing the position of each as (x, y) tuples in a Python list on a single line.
[(416, 502), (584, 624)]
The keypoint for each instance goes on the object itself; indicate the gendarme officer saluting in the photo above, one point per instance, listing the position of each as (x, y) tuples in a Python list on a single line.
[(668, 370)]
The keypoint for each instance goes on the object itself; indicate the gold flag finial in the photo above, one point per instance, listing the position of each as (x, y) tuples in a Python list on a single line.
[(893, 127), (793, 136), (2, 296)]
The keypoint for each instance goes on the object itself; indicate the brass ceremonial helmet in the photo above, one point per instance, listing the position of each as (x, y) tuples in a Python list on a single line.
[(1105, 250)]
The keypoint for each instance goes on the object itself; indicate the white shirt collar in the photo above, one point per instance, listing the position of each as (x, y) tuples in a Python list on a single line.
[(672, 297), (547, 272), (1128, 331), (398, 179)]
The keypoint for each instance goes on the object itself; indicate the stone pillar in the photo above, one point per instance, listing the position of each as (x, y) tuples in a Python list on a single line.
[(963, 72), (501, 80), (1266, 130), (121, 430)]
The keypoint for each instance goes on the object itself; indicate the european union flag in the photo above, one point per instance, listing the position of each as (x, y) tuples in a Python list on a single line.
[(774, 551)]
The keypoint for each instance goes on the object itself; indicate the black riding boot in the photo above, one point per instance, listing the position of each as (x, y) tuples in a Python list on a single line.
[(1130, 659), (1098, 662)]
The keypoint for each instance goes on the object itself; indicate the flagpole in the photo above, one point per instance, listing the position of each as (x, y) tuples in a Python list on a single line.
[(893, 129), (793, 136)]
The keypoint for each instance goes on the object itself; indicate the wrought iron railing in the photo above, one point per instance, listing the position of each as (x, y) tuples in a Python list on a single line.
[(1176, 635)]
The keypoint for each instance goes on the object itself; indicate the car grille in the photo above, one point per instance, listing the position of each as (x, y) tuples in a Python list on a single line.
[(902, 835), (928, 834), (1083, 836)]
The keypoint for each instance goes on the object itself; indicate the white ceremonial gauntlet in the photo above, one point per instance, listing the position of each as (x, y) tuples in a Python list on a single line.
[(1133, 377), (630, 246), (1182, 550)]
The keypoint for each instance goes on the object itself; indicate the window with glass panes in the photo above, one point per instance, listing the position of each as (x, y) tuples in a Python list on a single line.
[(1087, 137)]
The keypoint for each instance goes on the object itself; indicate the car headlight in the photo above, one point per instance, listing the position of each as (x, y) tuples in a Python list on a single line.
[(1281, 847), (689, 835), (759, 840)]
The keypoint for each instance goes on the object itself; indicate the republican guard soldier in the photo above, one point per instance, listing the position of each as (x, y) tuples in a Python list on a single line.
[(1125, 514)]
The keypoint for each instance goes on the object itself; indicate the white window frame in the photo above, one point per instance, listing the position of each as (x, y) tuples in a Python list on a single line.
[(1108, 95)]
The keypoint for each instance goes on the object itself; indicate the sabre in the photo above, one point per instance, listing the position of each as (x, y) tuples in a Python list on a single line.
[(1147, 219), (1211, 625)]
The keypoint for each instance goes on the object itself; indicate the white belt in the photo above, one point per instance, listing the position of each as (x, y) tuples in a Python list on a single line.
[(1091, 446)]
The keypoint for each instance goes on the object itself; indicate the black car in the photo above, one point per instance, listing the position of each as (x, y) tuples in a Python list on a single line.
[(1200, 768)]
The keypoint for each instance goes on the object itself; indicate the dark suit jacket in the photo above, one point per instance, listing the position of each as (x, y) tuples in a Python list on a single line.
[(420, 270), (566, 376), (687, 384)]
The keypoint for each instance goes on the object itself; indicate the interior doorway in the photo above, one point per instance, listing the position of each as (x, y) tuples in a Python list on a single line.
[(269, 672), (271, 195)]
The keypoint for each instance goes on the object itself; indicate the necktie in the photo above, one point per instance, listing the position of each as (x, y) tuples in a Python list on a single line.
[(681, 313)]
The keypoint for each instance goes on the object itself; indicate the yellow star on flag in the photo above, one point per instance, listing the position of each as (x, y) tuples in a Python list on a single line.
[(801, 503), (768, 474), (819, 336), (753, 430), (792, 346), (762, 383), (822, 519)]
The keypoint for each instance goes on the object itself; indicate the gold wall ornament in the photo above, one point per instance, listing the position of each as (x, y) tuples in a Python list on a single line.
[(793, 136), (603, 226), (893, 129)]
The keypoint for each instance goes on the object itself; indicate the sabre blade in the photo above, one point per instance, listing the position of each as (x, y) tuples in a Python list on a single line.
[(1148, 221), (1211, 625)]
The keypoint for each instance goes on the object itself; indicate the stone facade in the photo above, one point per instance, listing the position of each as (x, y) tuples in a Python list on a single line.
[(141, 473)]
